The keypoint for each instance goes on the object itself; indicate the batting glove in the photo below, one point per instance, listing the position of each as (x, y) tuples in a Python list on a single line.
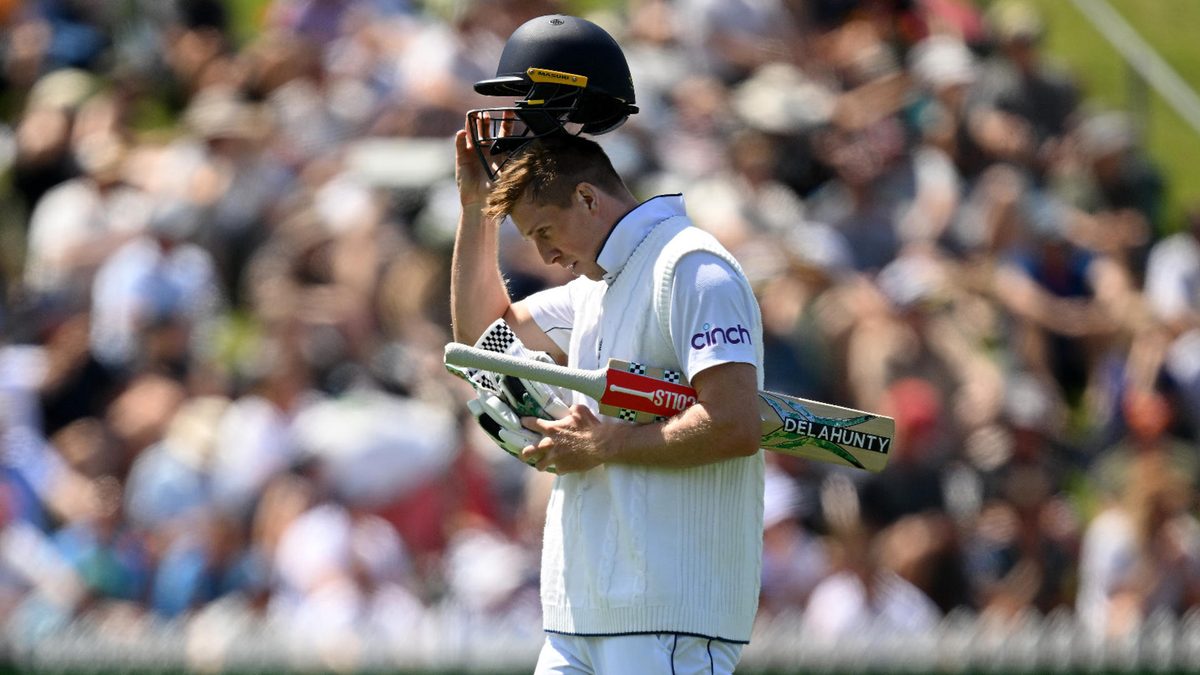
[(501, 400), (501, 423), (497, 419), (526, 397)]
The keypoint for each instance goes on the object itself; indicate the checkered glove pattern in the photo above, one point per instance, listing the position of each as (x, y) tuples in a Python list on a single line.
[(501, 400), (526, 397)]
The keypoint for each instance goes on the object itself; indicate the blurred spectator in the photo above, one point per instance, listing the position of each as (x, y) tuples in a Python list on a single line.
[(1022, 103), (429, 65), (340, 571), (72, 382), (916, 485), (864, 591), (794, 558), (1148, 418), (917, 323), (205, 562), (1123, 181), (140, 415), (798, 337), (732, 39), (1056, 289), (691, 143), (1172, 275), (1115, 192), (1018, 561), (254, 436), (488, 575), (158, 283), (194, 47), (168, 482), (746, 203), (222, 314), (43, 156), (77, 224), (1141, 555), (1025, 538), (872, 188), (109, 556), (943, 69), (227, 185), (78, 32), (319, 21)]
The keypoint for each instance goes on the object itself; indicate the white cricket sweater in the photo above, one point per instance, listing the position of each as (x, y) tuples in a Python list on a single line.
[(632, 549)]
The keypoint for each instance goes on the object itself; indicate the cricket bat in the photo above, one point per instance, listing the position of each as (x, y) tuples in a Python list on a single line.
[(639, 393)]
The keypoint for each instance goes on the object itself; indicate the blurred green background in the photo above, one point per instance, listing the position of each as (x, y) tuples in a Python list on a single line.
[(1106, 78)]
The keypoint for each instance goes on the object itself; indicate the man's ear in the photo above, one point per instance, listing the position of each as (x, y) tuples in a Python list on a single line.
[(585, 194)]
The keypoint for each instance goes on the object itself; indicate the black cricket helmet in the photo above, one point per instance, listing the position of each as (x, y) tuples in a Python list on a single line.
[(568, 76)]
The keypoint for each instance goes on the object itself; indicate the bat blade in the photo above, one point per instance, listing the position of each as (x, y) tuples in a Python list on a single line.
[(639, 393), (825, 432)]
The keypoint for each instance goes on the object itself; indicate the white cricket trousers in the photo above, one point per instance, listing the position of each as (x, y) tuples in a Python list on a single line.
[(650, 654)]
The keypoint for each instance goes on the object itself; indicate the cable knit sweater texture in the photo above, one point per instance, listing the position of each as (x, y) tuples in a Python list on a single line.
[(632, 549)]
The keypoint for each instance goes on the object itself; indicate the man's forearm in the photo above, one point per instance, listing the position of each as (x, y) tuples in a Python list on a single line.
[(477, 292), (693, 438), (723, 424)]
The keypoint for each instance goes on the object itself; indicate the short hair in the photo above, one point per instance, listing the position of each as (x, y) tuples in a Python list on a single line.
[(547, 170)]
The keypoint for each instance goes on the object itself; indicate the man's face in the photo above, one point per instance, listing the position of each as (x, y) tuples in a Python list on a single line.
[(569, 236)]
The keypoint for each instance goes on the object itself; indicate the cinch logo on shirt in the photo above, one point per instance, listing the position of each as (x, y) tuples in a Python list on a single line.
[(709, 336)]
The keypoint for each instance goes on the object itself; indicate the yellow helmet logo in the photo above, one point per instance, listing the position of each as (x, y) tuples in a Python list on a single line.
[(541, 75)]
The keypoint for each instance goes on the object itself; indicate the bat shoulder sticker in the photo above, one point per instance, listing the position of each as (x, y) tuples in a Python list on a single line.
[(639, 393)]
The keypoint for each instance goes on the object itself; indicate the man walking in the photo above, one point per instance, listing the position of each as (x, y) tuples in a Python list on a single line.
[(652, 551)]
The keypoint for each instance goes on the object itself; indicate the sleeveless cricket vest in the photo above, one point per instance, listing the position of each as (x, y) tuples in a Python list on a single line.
[(633, 549)]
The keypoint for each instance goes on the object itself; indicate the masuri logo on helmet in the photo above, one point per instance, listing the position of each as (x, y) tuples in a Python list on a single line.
[(569, 76), (543, 75)]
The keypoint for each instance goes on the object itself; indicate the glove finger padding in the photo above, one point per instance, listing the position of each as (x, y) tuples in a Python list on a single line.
[(498, 421), (495, 418)]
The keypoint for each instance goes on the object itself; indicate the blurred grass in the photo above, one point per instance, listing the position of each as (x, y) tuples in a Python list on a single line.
[(1166, 25), (1171, 141), (245, 17)]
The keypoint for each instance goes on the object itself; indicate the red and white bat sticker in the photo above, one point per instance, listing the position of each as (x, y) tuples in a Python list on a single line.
[(647, 394)]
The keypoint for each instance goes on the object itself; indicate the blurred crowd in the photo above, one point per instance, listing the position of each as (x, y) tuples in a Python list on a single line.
[(224, 297)]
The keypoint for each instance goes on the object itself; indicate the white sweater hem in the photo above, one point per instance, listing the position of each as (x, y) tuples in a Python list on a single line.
[(648, 619)]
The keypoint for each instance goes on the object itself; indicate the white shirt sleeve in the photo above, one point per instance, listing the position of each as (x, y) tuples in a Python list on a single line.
[(59, 221), (712, 312), (553, 310), (1173, 277)]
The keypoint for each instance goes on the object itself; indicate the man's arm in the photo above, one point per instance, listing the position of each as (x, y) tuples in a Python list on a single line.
[(478, 295), (477, 292), (723, 424)]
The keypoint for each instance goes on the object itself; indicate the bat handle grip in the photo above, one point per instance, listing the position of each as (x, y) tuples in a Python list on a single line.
[(588, 382)]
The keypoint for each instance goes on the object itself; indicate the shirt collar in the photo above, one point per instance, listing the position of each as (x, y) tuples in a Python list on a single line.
[(632, 228)]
